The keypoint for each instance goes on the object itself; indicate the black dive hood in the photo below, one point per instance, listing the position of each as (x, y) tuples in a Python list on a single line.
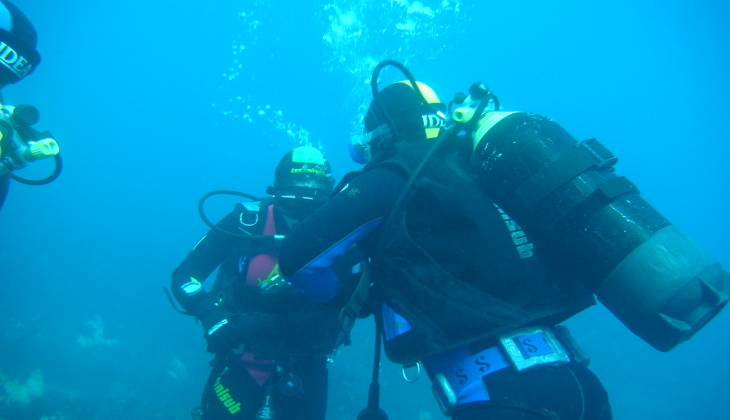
[(395, 135), (566, 196), (378, 101)]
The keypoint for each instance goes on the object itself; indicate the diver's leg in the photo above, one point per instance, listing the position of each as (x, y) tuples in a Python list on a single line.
[(231, 394)]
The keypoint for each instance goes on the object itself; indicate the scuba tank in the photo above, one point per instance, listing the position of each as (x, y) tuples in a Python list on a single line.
[(594, 223), (20, 144)]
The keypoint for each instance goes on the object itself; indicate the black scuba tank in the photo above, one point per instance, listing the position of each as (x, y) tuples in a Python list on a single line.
[(597, 227)]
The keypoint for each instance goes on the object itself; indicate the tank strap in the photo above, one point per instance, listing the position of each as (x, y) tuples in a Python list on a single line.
[(587, 154), (351, 311), (614, 187), (606, 192)]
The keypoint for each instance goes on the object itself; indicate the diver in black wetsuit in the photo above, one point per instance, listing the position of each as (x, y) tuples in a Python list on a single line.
[(19, 143), (472, 295), (447, 218), (271, 342)]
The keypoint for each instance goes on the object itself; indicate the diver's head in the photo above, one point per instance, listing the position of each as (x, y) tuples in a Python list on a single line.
[(303, 181), (18, 39), (404, 116)]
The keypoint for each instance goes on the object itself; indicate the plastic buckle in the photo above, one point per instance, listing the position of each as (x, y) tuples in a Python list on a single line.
[(605, 158), (520, 362), (577, 354), (445, 395)]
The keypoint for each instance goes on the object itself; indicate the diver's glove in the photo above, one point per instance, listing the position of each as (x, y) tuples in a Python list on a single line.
[(220, 330)]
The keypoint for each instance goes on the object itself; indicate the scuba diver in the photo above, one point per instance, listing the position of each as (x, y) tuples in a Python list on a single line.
[(482, 231), (271, 343), (20, 144)]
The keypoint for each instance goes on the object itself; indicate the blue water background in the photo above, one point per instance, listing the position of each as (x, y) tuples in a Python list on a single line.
[(152, 109)]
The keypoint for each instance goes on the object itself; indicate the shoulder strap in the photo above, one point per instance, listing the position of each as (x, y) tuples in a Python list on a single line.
[(252, 217), (415, 176)]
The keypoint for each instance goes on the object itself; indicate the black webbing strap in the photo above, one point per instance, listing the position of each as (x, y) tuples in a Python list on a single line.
[(351, 311), (586, 154)]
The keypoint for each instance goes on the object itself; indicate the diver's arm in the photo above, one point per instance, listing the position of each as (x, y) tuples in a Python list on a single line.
[(351, 216), (208, 254)]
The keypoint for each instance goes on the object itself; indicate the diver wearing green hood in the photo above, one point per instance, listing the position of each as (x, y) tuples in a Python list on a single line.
[(271, 343)]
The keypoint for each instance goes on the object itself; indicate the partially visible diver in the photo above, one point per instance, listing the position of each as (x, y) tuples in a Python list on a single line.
[(271, 343), (484, 231), (20, 144)]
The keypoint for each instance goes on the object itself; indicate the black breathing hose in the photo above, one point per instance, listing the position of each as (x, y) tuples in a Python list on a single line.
[(47, 180)]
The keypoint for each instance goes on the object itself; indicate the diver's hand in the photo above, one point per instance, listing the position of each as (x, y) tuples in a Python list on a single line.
[(220, 330)]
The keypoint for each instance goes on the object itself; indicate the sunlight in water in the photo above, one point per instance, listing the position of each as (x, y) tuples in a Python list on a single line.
[(356, 36)]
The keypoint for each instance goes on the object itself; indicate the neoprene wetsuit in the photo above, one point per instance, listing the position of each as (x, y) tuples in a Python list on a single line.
[(357, 214), (294, 334)]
